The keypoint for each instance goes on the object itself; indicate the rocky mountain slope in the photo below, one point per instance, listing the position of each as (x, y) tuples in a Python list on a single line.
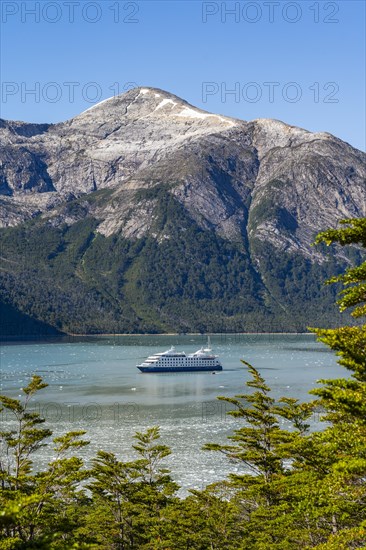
[(145, 213)]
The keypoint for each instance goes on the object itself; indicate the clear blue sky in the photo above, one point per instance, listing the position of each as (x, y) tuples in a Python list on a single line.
[(274, 52)]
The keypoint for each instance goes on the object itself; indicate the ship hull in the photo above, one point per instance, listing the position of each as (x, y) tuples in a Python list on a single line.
[(210, 368)]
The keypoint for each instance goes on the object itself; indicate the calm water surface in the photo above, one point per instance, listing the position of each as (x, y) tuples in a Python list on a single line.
[(94, 385)]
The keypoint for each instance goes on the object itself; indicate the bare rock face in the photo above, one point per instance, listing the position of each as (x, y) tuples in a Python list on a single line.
[(313, 179), (222, 170), (262, 179)]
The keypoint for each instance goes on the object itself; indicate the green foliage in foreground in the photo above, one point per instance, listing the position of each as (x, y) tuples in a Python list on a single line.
[(297, 490)]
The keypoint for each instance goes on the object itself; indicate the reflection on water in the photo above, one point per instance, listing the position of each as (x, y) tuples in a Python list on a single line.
[(94, 385)]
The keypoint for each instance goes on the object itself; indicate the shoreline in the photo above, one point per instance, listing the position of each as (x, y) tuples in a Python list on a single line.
[(181, 334), (68, 338)]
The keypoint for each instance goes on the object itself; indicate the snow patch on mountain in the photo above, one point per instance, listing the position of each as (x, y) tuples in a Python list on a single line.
[(98, 104), (165, 102), (190, 113)]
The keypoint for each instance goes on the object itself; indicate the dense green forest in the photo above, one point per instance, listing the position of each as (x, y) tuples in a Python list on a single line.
[(71, 278), (298, 490)]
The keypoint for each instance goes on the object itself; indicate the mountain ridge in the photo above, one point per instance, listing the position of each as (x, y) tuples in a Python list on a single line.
[(149, 179)]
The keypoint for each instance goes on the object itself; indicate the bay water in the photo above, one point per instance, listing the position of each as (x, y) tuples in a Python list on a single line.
[(94, 385)]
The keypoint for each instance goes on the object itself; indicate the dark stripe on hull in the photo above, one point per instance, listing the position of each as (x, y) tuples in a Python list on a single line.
[(180, 369)]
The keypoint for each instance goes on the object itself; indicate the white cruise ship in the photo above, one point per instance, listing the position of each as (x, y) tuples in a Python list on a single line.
[(178, 361)]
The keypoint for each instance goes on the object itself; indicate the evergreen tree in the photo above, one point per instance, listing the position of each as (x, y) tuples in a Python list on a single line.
[(39, 510), (344, 400), (130, 498)]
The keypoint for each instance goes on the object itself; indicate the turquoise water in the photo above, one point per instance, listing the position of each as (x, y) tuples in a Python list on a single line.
[(94, 385)]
